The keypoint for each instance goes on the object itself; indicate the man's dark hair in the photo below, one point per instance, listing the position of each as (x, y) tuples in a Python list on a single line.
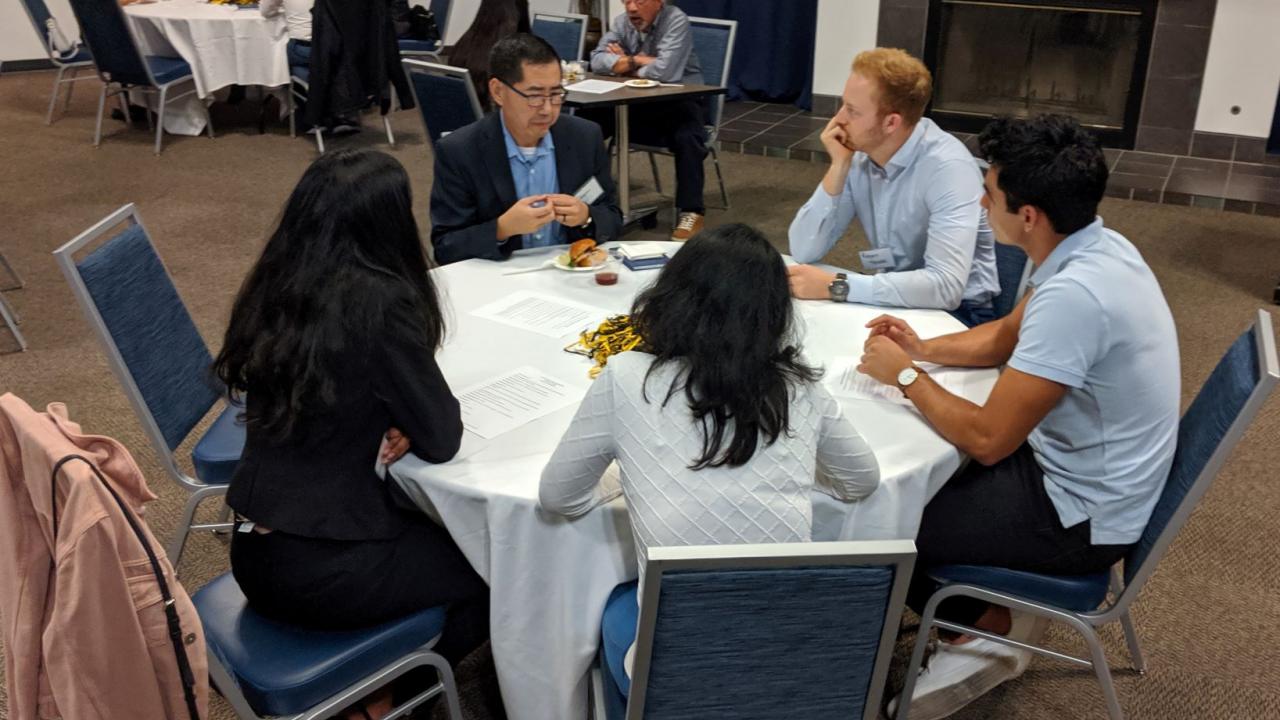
[(508, 56), (1048, 162)]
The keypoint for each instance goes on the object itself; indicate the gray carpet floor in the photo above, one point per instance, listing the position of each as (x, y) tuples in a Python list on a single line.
[(1209, 618)]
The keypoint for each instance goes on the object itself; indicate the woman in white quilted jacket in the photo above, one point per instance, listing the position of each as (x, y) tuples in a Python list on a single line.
[(719, 427)]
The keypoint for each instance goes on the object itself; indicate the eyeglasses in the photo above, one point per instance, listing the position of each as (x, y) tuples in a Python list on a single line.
[(536, 101)]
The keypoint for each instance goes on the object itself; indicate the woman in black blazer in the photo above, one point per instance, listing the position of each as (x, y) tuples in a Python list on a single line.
[(332, 344)]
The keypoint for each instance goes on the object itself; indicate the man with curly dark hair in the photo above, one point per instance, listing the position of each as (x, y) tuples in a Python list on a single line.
[(1074, 444)]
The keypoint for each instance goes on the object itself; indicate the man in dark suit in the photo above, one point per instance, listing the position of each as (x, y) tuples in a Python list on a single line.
[(523, 176)]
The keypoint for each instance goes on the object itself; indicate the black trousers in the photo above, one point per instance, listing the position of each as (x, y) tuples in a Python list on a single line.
[(999, 516), (679, 126), (344, 584)]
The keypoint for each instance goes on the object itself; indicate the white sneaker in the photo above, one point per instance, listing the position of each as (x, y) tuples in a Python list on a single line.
[(956, 675)]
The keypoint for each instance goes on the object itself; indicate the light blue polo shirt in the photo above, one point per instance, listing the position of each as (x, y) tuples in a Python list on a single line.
[(1098, 323), (533, 170)]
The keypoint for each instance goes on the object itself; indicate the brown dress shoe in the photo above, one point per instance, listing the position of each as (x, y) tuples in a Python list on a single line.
[(688, 225)]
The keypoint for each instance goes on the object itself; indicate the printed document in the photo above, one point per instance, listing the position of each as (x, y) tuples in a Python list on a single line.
[(494, 407)]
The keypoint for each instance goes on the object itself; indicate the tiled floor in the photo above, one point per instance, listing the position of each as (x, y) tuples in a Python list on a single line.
[(788, 132)]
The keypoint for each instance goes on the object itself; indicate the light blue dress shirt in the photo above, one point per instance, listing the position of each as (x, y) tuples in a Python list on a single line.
[(1097, 322), (534, 173), (668, 41), (925, 206)]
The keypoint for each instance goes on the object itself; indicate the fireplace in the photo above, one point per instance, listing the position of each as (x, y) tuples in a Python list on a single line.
[(1085, 58)]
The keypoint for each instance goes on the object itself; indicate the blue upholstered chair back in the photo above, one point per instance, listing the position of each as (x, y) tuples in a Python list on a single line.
[(807, 637), (39, 14), (445, 97), (147, 321), (565, 33), (713, 41), (440, 9), (1213, 418), (1011, 262), (813, 633), (106, 32)]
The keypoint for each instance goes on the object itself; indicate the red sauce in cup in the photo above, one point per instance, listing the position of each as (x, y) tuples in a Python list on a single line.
[(607, 277)]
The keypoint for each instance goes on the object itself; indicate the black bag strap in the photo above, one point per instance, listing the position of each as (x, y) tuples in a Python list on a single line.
[(170, 608)]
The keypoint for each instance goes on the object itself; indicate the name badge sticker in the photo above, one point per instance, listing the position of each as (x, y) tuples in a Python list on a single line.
[(877, 259), (590, 191)]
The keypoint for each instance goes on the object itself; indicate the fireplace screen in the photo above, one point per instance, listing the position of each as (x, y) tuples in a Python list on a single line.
[(1005, 58)]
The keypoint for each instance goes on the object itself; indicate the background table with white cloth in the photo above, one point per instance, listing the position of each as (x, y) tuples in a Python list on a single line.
[(224, 45), (549, 577)]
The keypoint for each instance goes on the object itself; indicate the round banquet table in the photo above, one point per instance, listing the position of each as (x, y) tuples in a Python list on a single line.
[(224, 45), (549, 577)]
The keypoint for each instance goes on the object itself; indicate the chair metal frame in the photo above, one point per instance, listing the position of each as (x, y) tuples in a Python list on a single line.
[(578, 18), (121, 89), (713, 129), (1122, 595), (70, 69), (7, 313), (198, 490), (421, 66), (900, 554), (12, 320), (424, 656)]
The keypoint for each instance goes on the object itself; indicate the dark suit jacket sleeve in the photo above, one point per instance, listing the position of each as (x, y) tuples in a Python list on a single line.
[(607, 217), (458, 231), (419, 399)]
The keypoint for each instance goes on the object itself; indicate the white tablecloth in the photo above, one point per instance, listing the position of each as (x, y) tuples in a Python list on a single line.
[(224, 45), (549, 577)]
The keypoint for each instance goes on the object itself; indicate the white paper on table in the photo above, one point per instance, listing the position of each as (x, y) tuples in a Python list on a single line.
[(544, 314), (642, 250), (594, 86), (844, 380), (500, 405)]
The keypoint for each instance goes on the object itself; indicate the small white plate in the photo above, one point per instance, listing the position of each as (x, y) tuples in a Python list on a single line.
[(642, 83), (560, 263)]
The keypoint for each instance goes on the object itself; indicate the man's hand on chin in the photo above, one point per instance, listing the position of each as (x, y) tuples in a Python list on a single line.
[(809, 282)]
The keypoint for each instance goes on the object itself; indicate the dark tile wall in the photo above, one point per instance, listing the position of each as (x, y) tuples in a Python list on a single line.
[(1241, 179), (902, 25), (1175, 73)]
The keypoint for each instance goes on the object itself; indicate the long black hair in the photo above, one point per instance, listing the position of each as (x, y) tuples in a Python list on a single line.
[(345, 264), (722, 309)]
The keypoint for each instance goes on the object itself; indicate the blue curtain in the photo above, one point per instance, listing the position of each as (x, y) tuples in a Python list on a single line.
[(773, 53)]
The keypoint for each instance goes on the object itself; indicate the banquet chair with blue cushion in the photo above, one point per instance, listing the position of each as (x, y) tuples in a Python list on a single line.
[(713, 42), (1013, 270), (445, 97), (123, 67), (423, 48), (566, 32), (1213, 424), (69, 63), (157, 356), (265, 668), (755, 631)]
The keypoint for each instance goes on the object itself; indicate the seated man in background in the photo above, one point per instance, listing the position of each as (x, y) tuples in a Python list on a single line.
[(297, 21), (1075, 442), (914, 187), (524, 176), (652, 41)]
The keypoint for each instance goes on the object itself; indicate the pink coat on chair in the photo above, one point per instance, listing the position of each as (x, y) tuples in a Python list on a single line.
[(85, 631)]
